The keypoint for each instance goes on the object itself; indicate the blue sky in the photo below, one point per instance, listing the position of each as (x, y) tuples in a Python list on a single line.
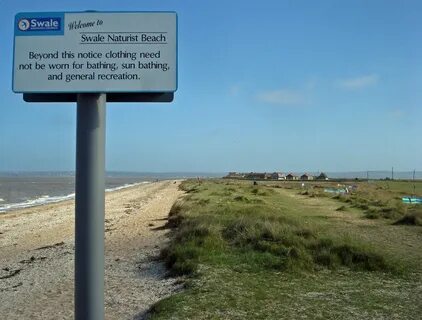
[(263, 86)]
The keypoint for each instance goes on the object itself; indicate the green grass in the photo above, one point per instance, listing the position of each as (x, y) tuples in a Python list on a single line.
[(265, 252), (413, 217), (404, 188), (378, 199), (222, 293)]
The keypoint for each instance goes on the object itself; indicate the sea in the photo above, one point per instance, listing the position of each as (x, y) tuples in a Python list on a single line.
[(27, 189)]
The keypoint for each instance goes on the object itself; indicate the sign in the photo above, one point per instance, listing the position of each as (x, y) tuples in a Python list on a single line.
[(95, 52)]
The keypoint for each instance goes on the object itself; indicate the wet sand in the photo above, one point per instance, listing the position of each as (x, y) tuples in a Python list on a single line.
[(37, 255)]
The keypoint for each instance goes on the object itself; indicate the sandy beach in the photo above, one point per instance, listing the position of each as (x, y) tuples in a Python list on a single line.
[(37, 255)]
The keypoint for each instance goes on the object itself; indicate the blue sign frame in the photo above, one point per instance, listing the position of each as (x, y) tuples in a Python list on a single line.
[(60, 32)]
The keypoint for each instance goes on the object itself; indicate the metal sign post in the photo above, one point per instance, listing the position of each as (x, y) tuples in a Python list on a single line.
[(89, 206)]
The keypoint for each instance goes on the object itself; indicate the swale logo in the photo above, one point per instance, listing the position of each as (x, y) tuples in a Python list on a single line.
[(23, 24), (39, 24)]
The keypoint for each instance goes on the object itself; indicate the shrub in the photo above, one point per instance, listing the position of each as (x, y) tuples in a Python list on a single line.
[(387, 213), (361, 206), (175, 209), (412, 218), (326, 253), (358, 259), (372, 214), (180, 260), (203, 202), (241, 198)]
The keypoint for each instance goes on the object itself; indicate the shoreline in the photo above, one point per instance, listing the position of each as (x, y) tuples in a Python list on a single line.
[(46, 200), (37, 255)]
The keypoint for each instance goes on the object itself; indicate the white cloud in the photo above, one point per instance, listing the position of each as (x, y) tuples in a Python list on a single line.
[(359, 82), (282, 97)]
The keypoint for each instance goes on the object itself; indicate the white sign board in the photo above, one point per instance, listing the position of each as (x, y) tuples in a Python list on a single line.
[(95, 52)]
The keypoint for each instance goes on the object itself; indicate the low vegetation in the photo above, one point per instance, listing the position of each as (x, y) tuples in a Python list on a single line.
[(243, 247), (412, 217), (377, 199)]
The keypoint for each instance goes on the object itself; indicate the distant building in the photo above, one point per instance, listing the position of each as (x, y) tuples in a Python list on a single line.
[(278, 176), (235, 175), (306, 176), (274, 176), (268, 176), (291, 176), (322, 176), (256, 176)]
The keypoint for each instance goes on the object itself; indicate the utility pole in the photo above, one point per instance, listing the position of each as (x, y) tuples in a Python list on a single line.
[(414, 186)]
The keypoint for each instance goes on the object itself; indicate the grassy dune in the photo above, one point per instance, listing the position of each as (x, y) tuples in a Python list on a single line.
[(280, 251)]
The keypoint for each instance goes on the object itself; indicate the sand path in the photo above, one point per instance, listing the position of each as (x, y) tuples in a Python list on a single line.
[(37, 255)]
